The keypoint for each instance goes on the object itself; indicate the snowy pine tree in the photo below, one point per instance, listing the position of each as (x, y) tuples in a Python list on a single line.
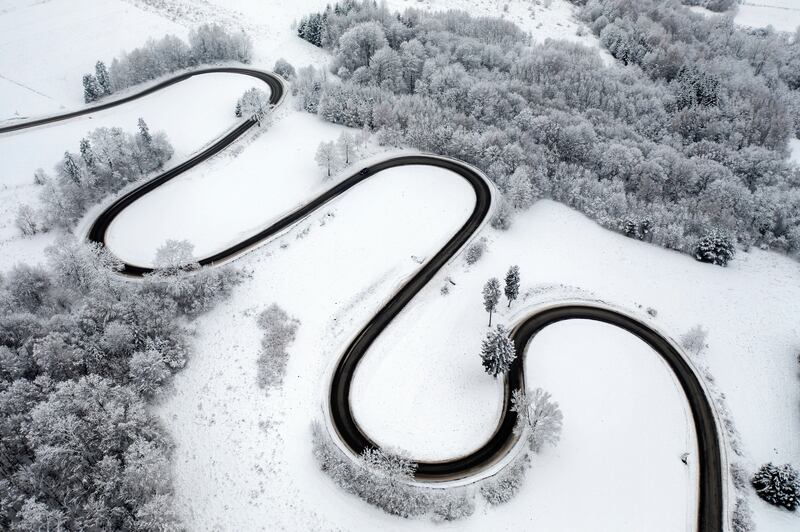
[(103, 79), (512, 284), (71, 168), (491, 296), (497, 352), (144, 132), (715, 248), (86, 152), (778, 485), (91, 88)]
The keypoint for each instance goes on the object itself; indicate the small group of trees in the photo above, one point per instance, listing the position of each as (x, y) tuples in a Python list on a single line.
[(208, 43), (491, 291), (108, 159), (254, 105), (82, 354), (333, 156)]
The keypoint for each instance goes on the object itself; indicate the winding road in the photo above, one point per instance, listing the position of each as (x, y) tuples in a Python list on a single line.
[(711, 494)]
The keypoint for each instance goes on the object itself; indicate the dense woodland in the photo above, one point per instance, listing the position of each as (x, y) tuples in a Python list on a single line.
[(682, 143)]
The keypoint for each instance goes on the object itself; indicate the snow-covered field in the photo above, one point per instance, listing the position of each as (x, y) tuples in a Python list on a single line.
[(783, 15), (46, 46), (229, 198)]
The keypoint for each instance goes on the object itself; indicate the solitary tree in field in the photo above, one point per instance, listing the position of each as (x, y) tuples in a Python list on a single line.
[(512, 284), (543, 416), (491, 296), (328, 158), (497, 352), (254, 104)]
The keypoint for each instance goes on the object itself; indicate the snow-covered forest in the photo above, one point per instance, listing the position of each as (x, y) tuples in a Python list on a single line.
[(688, 142)]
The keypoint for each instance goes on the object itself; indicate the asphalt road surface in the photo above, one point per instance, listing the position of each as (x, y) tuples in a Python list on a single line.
[(710, 495)]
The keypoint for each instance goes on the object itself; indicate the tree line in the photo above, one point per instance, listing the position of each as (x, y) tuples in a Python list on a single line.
[(208, 43)]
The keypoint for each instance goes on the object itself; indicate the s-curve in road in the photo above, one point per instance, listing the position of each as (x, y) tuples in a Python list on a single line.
[(710, 504)]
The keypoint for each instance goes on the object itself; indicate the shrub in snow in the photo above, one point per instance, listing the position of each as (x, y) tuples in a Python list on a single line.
[(284, 69), (475, 251), (715, 248), (742, 519), (453, 506), (778, 485), (26, 220), (497, 352), (542, 418), (502, 217), (279, 331), (40, 177), (740, 477), (694, 341), (506, 484)]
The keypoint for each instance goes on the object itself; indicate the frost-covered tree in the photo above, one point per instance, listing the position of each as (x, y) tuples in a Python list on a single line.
[(715, 248), (40, 177), (284, 69), (520, 190), (358, 44), (536, 412), (175, 255), (347, 146), (329, 158), (103, 78), (778, 485), (147, 371), (26, 220), (385, 68), (497, 352), (491, 296), (502, 217), (254, 105), (91, 88), (512, 284)]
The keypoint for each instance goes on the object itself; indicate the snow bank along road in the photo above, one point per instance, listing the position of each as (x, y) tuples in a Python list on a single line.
[(710, 516)]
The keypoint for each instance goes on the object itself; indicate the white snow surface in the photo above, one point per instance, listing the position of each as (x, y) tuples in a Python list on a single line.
[(229, 198), (783, 15), (47, 46)]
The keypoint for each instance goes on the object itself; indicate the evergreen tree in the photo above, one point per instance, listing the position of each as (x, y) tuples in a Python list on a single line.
[(103, 79), (491, 296), (91, 89), (71, 168), (715, 248), (497, 351), (778, 485), (512, 284), (144, 132), (238, 110), (86, 152)]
